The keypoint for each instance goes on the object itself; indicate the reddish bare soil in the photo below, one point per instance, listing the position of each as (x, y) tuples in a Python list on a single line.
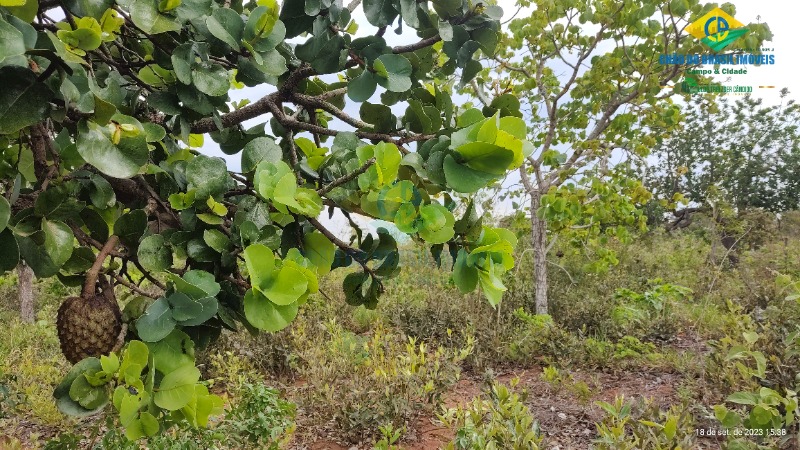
[(566, 422)]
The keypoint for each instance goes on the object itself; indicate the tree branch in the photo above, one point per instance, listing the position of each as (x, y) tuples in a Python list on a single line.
[(133, 287), (89, 286), (350, 176), (427, 42)]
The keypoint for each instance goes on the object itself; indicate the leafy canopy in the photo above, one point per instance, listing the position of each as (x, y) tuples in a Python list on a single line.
[(105, 104)]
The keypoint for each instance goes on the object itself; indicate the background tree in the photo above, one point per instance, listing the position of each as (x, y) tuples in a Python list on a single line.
[(592, 90), (742, 150), (103, 106)]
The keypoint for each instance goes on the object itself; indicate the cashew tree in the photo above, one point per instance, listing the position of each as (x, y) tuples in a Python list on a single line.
[(590, 79), (104, 109)]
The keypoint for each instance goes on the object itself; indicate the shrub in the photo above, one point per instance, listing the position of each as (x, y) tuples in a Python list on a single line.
[(261, 417), (643, 425), (363, 382), (499, 420), (649, 314)]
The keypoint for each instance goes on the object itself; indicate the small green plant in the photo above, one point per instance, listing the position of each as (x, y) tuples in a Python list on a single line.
[(390, 436), (261, 417), (552, 376), (565, 381), (632, 347), (501, 421), (9, 400), (643, 425), (540, 339), (363, 382), (767, 415), (649, 314)]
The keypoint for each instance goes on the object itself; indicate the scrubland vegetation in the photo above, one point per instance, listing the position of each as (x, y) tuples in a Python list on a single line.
[(668, 346)]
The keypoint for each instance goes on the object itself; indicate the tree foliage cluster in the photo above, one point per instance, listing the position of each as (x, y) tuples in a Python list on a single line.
[(105, 104), (740, 151), (587, 77)]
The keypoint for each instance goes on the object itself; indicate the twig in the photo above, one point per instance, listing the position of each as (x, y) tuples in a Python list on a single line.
[(350, 176), (346, 248), (133, 287)]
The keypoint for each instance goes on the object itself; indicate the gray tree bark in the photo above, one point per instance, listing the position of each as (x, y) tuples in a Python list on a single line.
[(539, 244), (27, 300)]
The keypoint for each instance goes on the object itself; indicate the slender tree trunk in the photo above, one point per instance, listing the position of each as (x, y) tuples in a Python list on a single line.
[(539, 243), (27, 301)]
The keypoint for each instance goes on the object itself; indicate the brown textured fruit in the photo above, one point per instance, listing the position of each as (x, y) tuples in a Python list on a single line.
[(88, 326)]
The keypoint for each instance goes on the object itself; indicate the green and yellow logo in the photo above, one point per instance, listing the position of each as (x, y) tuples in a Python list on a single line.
[(717, 29)]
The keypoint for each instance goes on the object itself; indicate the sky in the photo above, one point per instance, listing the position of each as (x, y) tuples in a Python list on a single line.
[(780, 15)]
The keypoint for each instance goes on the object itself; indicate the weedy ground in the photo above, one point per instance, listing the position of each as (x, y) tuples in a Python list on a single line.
[(670, 345)]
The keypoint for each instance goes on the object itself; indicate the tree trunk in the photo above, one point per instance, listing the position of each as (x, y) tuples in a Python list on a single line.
[(539, 244), (27, 301)]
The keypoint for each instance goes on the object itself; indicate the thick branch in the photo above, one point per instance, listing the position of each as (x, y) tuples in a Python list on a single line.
[(427, 42), (91, 276)]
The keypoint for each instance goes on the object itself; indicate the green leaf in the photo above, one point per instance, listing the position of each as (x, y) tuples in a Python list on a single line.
[(36, 257), (174, 351), (361, 88), (201, 279), (486, 157), (9, 251), (227, 26), (23, 101), (207, 176), (92, 8), (81, 260), (437, 224), (394, 72), (286, 286), (190, 312), (64, 402), (177, 388), (11, 41), (5, 212), (24, 10), (384, 171), (58, 241), (379, 115), (216, 240), (146, 16), (211, 79), (324, 52), (461, 178), (182, 59), (258, 150), (88, 396), (465, 277), (320, 251), (743, 398), (260, 262), (156, 323), (265, 315), (124, 159), (491, 284), (182, 200), (130, 227), (447, 9), (101, 193), (380, 13), (154, 254)]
